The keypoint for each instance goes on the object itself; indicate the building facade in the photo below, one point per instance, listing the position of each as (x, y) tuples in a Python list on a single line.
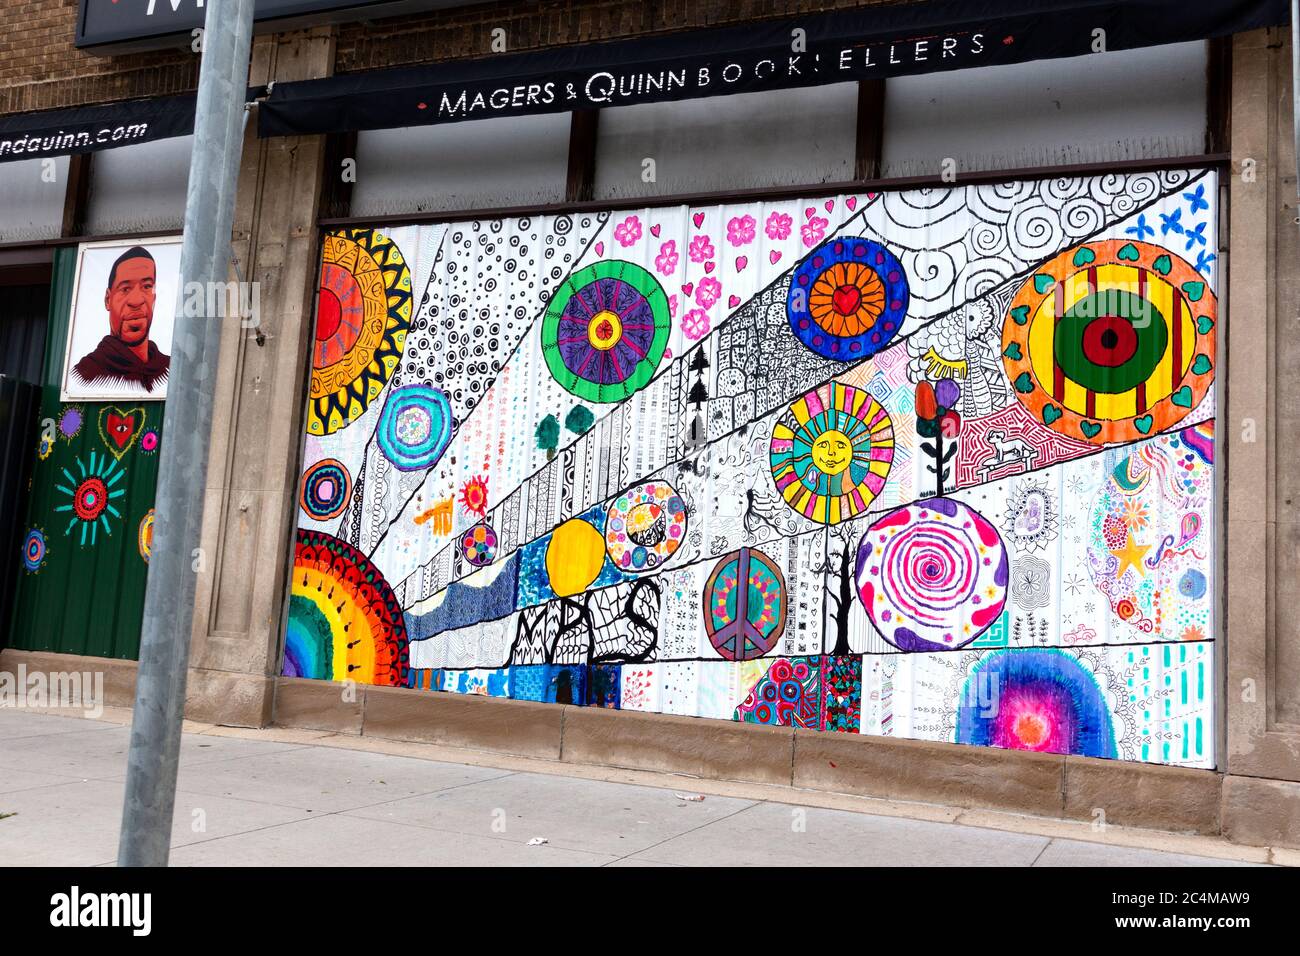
[(909, 424)]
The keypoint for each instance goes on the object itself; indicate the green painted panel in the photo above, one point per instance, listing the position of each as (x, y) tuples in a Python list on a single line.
[(87, 594)]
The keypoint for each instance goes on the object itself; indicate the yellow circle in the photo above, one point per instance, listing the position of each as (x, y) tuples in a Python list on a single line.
[(832, 452), (574, 557), (604, 330)]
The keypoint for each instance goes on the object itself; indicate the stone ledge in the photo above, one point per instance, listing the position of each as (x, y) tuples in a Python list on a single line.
[(1179, 799), (718, 749), (463, 720), (1260, 812), (119, 675), (930, 772), (1046, 785), (317, 705), (228, 698)]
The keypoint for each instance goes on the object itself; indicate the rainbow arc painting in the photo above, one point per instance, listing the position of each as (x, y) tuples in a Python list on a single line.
[(931, 464)]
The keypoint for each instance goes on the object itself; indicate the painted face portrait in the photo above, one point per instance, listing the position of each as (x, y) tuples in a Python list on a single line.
[(129, 300), (126, 355)]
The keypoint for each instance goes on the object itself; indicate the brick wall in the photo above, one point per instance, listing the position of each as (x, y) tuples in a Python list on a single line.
[(467, 32), (41, 69)]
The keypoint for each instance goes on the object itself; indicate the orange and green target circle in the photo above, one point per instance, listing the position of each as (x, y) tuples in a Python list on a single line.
[(1111, 341)]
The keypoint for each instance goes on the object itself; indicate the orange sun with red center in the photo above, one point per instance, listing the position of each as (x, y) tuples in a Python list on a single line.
[(847, 299), (474, 496)]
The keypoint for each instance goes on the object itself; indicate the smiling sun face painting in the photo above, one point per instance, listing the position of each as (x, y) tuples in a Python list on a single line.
[(831, 451)]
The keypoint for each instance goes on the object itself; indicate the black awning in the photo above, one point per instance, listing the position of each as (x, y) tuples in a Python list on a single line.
[(873, 42), (85, 129)]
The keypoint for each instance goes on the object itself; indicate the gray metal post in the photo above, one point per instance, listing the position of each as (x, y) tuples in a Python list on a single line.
[(182, 471)]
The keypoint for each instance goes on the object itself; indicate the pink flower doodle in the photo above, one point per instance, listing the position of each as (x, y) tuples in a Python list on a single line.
[(695, 324), (701, 249), (778, 226), (628, 231), (708, 292), (813, 230), (740, 230), (666, 261)]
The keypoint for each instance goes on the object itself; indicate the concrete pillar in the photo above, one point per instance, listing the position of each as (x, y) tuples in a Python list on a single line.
[(1260, 399), (250, 501)]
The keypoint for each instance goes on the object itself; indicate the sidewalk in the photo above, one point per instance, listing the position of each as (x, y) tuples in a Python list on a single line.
[(277, 797)]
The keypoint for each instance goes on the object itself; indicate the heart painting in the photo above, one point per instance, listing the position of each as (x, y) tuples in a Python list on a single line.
[(120, 428)]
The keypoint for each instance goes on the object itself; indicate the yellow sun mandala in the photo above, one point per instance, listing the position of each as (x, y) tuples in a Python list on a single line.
[(363, 311)]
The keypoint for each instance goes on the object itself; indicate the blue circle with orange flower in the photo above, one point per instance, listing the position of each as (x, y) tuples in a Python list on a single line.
[(848, 299)]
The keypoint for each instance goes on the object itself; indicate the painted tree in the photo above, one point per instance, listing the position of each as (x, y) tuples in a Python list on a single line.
[(838, 569), (548, 435), (698, 395), (579, 420), (937, 419)]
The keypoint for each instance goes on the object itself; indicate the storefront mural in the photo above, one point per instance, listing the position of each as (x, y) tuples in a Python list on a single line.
[(934, 464)]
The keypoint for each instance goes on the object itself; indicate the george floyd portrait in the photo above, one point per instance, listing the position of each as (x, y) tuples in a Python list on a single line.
[(119, 339)]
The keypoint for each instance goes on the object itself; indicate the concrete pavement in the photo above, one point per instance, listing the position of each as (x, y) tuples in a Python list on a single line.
[(291, 797)]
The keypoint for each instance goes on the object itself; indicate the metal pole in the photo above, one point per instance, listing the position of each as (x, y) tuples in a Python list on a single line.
[(182, 471)]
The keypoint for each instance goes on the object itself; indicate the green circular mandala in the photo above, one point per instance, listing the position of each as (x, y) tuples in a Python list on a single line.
[(606, 330)]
